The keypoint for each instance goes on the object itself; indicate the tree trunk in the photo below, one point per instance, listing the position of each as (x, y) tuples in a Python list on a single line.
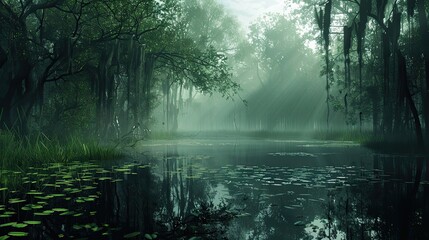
[(424, 31), (105, 93), (402, 75), (149, 66), (387, 112)]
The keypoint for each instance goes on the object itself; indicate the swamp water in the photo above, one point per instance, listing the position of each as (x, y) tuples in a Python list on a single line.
[(222, 189)]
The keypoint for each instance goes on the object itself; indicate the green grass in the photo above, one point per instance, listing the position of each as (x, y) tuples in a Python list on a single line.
[(19, 153)]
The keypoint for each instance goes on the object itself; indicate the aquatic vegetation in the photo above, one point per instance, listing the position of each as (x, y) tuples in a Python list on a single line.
[(20, 153), (83, 199)]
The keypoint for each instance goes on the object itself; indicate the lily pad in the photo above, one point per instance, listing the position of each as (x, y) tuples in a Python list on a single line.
[(15, 200), (131, 235), (7, 224), (34, 193), (60, 209), (33, 222), (18, 234), (19, 225)]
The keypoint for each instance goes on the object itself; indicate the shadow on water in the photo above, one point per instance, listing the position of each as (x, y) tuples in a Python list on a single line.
[(223, 190)]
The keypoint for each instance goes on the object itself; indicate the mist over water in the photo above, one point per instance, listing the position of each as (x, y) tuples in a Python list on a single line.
[(214, 119)]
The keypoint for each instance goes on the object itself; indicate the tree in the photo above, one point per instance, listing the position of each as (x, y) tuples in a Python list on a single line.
[(383, 30), (284, 67), (199, 58), (118, 47)]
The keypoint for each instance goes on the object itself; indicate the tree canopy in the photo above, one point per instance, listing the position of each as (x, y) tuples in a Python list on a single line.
[(120, 50)]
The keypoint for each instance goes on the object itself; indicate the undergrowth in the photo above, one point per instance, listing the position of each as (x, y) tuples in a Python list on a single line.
[(19, 153)]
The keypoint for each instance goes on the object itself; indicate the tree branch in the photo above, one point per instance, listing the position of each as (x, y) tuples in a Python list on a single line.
[(33, 8)]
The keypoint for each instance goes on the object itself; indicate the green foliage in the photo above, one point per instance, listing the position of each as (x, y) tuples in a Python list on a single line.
[(23, 152), (276, 43), (120, 50), (68, 111)]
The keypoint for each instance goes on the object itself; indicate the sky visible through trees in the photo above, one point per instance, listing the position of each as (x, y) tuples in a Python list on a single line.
[(138, 66), (214, 119)]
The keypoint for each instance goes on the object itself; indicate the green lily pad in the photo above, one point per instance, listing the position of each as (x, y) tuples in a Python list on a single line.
[(41, 214), (131, 235), (18, 234), (148, 236), (57, 195), (105, 178), (60, 209), (7, 224), (34, 193), (15, 200), (89, 188), (67, 213), (43, 197), (77, 227), (44, 213), (36, 206), (33, 222), (19, 225)]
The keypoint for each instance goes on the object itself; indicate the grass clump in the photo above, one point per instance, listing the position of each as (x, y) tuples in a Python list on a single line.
[(18, 152)]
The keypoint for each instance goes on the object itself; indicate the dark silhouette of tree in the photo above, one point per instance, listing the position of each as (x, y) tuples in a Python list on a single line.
[(119, 48)]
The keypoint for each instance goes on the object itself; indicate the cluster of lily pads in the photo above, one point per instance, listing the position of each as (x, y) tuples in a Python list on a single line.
[(294, 193), (60, 201)]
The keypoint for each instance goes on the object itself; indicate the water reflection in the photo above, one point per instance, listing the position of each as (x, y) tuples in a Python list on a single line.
[(223, 190), (126, 201), (312, 191), (391, 204)]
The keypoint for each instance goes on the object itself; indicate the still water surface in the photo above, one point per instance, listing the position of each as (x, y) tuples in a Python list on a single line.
[(222, 189), (298, 189)]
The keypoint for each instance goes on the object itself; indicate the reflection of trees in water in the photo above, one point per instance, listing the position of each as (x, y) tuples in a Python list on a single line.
[(187, 207), (132, 202), (269, 218), (181, 188), (392, 204), (175, 203)]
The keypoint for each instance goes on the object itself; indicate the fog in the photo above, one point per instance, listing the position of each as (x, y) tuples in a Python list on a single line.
[(214, 119), (281, 87)]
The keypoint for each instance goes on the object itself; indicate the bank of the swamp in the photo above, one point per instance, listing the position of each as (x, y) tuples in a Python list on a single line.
[(20, 153), (52, 189), (391, 144)]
